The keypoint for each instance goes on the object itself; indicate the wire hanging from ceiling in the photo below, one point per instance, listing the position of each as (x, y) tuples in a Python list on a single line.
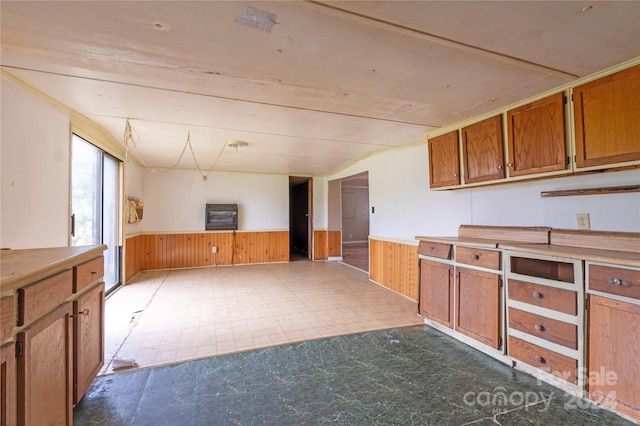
[(130, 140)]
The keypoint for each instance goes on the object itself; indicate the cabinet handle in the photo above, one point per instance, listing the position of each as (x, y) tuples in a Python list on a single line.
[(455, 175), (499, 167), (615, 281), (84, 312), (476, 256), (539, 327), (94, 272), (537, 295), (509, 164), (539, 359)]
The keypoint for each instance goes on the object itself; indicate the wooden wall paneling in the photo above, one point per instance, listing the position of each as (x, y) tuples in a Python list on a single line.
[(335, 243), (320, 245), (394, 265), (165, 251), (133, 257)]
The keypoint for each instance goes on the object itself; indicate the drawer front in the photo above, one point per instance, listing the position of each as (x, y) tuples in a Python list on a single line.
[(7, 318), (88, 273), (478, 257), (543, 296), (623, 282), (555, 331), (439, 250), (37, 299), (544, 359)]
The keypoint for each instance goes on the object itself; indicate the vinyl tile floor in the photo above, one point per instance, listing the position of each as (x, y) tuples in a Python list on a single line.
[(171, 316), (400, 376)]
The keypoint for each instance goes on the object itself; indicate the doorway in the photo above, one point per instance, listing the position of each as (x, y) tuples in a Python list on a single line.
[(95, 204), (300, 218), (353, 210)]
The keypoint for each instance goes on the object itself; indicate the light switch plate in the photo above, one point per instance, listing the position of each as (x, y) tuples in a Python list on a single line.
[(582, 221)]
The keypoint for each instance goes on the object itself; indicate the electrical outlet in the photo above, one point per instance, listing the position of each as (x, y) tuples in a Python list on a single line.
[(214, 249), (582, 221)]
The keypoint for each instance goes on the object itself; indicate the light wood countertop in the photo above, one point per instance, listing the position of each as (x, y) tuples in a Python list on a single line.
[(622, 258), (24, 266)]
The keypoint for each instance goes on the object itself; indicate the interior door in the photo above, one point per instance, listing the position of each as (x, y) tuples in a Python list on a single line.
[(310, 243), (95, 204)]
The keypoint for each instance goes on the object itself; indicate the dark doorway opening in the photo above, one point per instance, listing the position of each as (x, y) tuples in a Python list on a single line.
[(300, 237)]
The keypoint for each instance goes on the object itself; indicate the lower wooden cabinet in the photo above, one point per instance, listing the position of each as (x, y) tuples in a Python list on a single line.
[(8, 385), (88, 334), (436, 292), (45, 362), (613, 360), (52, 331), (478, 306)]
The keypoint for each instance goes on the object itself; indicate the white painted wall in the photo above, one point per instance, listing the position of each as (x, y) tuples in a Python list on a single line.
[(35, 146), (175, 201), (405, 207)]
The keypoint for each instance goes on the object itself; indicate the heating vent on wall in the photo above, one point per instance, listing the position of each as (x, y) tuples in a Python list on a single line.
[(221, 217)]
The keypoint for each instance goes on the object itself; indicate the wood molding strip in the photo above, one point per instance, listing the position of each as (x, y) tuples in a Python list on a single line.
[(591, 191)]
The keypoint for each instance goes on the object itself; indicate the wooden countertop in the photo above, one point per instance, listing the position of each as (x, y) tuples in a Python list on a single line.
[(461, 241), (24, 266), (622, 258)]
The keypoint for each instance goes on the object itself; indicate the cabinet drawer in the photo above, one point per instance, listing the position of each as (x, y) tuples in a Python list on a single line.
[(478, 257), (623, 282), (7, 318), (543, 296), (555, 331), (440, 250), (45, 295), (87, 273), (544, 359)]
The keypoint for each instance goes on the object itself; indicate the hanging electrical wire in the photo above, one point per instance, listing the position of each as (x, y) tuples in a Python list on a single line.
[(129, 140)]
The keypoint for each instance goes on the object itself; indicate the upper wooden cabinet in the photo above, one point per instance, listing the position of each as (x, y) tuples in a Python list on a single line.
[(444, 160), (607, 119), (536, 135), (482, 149)]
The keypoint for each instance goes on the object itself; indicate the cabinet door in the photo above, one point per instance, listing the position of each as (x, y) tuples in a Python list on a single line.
[(8, 385), (436, 292), (45, 371), (607, 119), (536, 134), (614, 364), (483, 153), (478, 306), (444, 160), (88, 339)]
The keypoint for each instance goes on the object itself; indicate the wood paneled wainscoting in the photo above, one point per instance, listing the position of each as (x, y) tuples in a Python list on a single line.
[(394, 265), (327, 244), (184, 250)]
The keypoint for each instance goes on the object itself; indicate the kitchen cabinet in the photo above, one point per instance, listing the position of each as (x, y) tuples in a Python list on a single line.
[(45, 365), (568, 312), (478, 306), (444, 160), (545, 315), (88, 312), (537, 138), (55, 345), (607, 119), (614, 337), (436, 292), (461, 290), (8, 388), (483, 151)]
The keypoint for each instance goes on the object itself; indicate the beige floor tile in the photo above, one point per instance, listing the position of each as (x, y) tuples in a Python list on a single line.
[(170, 316)]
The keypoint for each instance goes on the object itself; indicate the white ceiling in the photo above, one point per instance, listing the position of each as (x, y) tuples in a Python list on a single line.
[(329, 84)]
